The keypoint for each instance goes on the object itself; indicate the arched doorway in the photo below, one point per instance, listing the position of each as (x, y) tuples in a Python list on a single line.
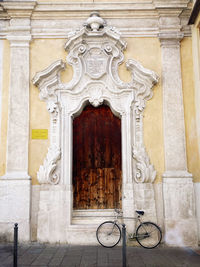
[(97, 171)]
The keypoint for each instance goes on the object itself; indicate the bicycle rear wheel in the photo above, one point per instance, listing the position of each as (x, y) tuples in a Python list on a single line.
[(108, 234), (148, 235)]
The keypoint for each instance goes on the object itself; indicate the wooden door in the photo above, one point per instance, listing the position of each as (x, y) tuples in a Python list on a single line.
[(97, 160)]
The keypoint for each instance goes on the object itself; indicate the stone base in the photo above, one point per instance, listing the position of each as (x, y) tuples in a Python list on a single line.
[(181, 233), (57, 223), (179, 206), (35, 198), (145, 200), (197, 198), (82, 235), (15, 206), (52, 215)]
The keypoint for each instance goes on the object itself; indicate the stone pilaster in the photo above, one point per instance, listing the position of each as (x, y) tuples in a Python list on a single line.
[(16, 183), (178, 192)]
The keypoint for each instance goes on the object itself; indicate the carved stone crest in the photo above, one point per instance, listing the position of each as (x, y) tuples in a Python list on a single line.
[(96, 62)]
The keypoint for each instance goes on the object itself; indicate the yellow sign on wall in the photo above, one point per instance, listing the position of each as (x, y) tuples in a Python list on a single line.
[(39, 133)]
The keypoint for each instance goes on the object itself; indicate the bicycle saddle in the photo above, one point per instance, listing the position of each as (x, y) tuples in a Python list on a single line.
[(140, 212)]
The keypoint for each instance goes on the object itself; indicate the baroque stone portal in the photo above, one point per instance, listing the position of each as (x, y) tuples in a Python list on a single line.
[(95, 51)]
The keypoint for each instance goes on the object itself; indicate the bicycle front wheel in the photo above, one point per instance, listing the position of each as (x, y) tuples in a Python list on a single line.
[(108, 234), (148, 235)]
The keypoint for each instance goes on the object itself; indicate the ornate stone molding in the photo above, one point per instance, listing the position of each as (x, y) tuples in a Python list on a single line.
[(48, 80), (95, 51), (19, 9), (142, 80), (136, 19), (170, 39)]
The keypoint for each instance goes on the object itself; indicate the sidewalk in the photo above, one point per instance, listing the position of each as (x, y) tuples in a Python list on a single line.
[(97, 256)]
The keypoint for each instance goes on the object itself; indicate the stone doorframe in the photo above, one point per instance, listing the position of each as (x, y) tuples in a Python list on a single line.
[(94, 52)]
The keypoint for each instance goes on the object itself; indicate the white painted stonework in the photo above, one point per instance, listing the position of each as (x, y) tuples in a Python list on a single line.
[(95, 52), (15, 185), (14, 207)]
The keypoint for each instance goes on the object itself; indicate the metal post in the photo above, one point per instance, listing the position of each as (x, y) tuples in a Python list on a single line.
[(15, 245), (124, 245)]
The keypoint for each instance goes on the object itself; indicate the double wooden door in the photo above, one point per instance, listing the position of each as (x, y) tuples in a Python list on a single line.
[(97, 175)]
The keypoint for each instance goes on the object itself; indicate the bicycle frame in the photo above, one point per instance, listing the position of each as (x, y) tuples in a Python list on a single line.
[(132, 235), (118, 214)]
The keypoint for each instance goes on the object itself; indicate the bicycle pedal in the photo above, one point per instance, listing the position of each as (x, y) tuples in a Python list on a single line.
[(132, 237)]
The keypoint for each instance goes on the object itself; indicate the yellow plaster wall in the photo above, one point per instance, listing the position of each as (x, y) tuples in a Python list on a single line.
[(43, 52), (5, 93), (193, 156)]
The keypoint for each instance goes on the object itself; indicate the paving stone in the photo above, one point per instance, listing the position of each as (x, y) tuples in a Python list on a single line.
[(97, 256), (7, 261), (58, 257), (27, 259), (35, 250), (67, 262), (56, 261), (22, 250), (102, 258), (42, 259)]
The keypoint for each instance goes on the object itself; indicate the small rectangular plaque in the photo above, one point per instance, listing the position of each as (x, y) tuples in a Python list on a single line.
[(39, 133)]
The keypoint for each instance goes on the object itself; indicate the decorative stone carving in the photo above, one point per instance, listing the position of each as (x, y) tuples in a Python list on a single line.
[(48, 80), (144, 170), (47, 173), (96, 63), (95, 22), (143, 80), (95, 52), (53, 109), (96, 95)]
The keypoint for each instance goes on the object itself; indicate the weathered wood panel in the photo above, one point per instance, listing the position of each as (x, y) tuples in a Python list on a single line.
[(97, 172)]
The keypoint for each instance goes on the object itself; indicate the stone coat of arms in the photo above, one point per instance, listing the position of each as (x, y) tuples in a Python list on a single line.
[(96, 62)]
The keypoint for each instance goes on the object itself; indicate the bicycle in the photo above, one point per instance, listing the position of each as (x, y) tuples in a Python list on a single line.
[(147, 234)]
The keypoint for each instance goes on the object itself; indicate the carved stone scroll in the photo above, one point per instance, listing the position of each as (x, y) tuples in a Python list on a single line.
[(144, 170), (47, 172)]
